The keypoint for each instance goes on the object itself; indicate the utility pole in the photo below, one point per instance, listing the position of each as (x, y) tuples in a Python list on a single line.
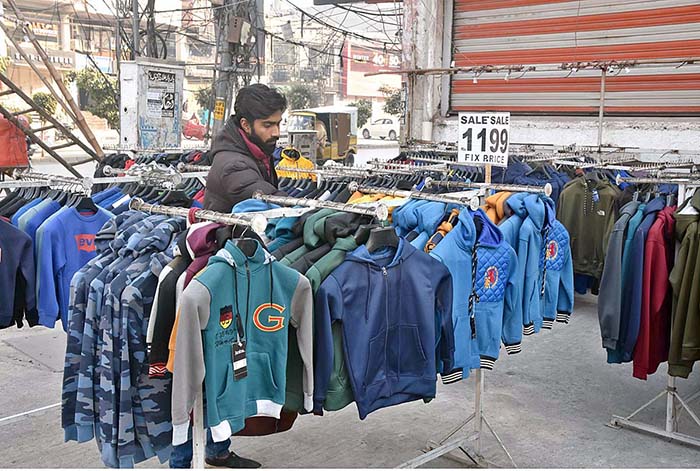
[(222, 88), (136, 29)]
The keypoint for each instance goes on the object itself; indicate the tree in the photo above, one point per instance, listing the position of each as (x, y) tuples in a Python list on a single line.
[(300, 96), (364, 111), (101, 90), (203, 97), (394, 103), (46, 101)]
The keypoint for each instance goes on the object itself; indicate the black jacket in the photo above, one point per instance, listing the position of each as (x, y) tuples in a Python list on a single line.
[(235, 174)]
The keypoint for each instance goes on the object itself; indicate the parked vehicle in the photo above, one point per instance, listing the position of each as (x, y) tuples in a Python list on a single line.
[(324, 133), (382, 128), (194, 130)]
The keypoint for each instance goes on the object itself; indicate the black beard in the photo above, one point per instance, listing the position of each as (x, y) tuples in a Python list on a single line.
[(268, 147)]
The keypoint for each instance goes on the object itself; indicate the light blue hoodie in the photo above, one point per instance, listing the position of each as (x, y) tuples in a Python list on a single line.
[(496, 312)]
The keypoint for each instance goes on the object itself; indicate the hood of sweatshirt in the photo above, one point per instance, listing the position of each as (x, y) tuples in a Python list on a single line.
[(497, 202), (387, 257), (311, 238), (540, 210), (337, 226), (630, 208), (408, 217), (252, 205), (516, 202), (683, 221), (489, 234), (430, 216), (666, 216), (128, 239), (655, 205), (234, 257), (105, 236), (159, 239), (202, 240)]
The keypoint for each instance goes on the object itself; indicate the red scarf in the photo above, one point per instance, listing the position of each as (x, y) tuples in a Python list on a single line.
[(256, 151)]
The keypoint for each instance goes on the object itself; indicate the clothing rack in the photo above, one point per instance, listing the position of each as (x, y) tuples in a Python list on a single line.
[(47, 179), (546, 189), (257, 222), (472, 201), (379, 211), (674, 402)]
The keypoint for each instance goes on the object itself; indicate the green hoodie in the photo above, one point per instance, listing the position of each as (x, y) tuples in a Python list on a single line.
[(685, 281), (312, 240)]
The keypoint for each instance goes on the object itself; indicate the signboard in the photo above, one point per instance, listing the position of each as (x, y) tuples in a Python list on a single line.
[(59, 59), (364, 60), (484, 138), (161, 95)]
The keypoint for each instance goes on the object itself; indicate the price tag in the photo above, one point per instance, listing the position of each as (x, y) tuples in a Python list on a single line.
[(484, 138)]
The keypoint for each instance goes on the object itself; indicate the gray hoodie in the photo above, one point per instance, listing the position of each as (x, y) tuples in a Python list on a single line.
[(610, 297)]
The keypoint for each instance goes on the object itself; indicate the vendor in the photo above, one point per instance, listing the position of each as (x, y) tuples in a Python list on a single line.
[(242, 151)]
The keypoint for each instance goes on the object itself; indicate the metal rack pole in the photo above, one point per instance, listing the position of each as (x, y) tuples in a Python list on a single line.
[(546, 189), (471, 201), (379, 211), (256, 222)]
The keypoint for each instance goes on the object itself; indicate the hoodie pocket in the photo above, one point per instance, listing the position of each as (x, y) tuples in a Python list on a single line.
[(411, 359), (226, 402), (266, 382), (376, 359)]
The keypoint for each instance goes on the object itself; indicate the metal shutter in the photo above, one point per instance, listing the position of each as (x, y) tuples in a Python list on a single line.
[(547, 33)]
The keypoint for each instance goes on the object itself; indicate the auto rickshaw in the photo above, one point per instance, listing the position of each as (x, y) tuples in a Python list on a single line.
[(325, 133)]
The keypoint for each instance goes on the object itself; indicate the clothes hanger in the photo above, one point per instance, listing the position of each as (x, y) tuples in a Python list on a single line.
[(381, 237)]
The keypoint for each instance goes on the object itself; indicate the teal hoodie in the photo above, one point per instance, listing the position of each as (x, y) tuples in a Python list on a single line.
[(269, 298)]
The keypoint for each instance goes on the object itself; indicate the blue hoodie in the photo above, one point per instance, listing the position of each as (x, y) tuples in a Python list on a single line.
[(510, 227), (429, 217), (405, 217), (395, 306), (496, 312)]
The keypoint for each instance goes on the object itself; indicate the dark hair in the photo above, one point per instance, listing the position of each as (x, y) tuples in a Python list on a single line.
[(258, 101)]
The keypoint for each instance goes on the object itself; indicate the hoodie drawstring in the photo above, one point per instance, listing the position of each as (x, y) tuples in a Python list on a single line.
[(473, 297)]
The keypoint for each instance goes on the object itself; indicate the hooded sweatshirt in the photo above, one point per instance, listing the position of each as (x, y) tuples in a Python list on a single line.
[(544, 244), (511, 227), (236, 174), (610, 298), (485, 308), (655, 323), (299, 163), (685, 281), (16, 269), (202, 244), (631, 328), (494, 207), (393, 344), (252, 299), (429, 217)]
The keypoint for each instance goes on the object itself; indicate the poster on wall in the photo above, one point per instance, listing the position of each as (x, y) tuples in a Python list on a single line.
[(161, 95)]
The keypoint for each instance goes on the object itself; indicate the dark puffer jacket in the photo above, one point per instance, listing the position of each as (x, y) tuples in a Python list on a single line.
[(235, 174)]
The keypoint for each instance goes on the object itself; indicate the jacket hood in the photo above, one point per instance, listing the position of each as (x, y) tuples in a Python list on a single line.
[(429, 216), (346, 244), (202, 240), (516, 203), (540, 210), (252, 205), (128, 239), (159, 239), (339, 225), (496, 202), (233, 256), (311, 239), (229, 140), (398, 255), (666, 216), (408, 219), (655, 205), (105, 236), (630, 208), (683, 221), (490, 234)]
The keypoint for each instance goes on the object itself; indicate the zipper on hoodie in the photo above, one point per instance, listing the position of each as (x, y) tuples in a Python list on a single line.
[(386, 318)]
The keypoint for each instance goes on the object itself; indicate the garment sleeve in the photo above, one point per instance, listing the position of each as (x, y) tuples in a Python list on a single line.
[(525, 257), (188, 369), (610, 297), (51, 260), (328, 307), (565, 299), (445, 347), (28, 272), (303, 322), (512, 333)]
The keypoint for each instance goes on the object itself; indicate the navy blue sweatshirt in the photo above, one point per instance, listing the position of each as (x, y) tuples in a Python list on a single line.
[(17, 277), (395, 306)]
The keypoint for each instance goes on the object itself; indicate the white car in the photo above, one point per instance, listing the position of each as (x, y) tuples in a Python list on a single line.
[(383, 128)]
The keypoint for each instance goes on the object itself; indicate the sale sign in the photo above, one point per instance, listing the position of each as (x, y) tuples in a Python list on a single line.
[(484, 138)]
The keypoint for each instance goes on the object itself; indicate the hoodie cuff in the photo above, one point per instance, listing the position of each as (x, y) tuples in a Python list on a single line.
[(529, 329), (563, 317), (487, 363), (157, 370), (514, 348), (180, 432), (452, 377), (547, 324)]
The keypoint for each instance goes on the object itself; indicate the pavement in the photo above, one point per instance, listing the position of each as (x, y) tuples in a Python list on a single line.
[(549, 404)]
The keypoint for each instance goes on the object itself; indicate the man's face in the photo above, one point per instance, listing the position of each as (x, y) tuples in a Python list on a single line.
[(264, 132)]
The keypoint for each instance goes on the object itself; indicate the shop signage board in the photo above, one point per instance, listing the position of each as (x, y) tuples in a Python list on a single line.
[(484, 138)]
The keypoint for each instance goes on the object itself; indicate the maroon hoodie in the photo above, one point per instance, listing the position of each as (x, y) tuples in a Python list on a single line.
[(202, 244), (655, 325)]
